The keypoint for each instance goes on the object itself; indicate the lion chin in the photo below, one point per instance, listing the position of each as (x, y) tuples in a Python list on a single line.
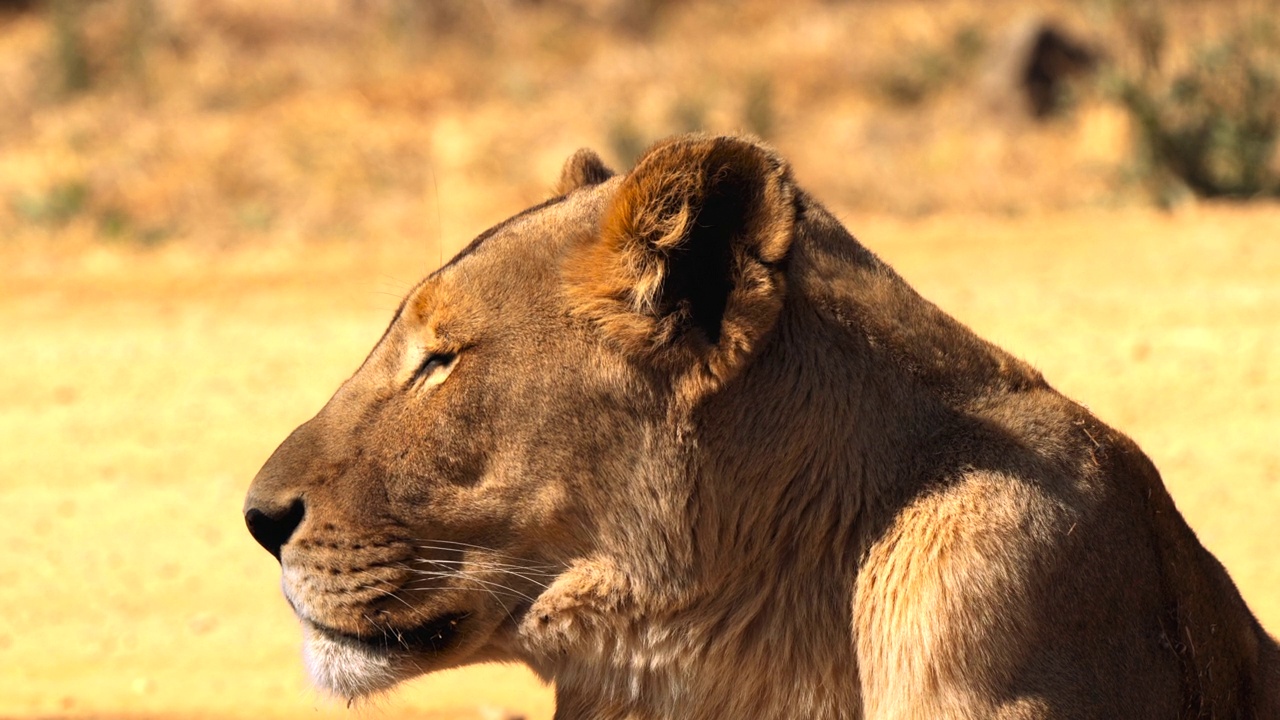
[(346, 668)]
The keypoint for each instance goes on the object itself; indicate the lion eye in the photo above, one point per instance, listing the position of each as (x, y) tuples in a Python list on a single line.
[(432, 363)]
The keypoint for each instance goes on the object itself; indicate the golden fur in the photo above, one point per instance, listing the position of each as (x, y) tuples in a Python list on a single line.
[(683, 446)]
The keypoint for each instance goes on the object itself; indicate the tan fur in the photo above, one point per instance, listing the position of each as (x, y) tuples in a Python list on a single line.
[(683, 446)]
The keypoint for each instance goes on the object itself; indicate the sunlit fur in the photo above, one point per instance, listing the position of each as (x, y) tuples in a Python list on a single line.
[(344, 669), (698, 454)]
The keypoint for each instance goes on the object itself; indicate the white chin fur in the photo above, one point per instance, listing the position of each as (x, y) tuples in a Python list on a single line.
[(346, 669)]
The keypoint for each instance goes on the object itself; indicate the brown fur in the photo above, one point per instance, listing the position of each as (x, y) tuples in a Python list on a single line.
[(583, 168), (683, 446)]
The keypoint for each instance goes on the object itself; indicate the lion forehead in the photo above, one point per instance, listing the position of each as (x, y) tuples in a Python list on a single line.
[(542, 231)]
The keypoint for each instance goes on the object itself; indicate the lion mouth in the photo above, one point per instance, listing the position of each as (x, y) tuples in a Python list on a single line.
[(433, 636)]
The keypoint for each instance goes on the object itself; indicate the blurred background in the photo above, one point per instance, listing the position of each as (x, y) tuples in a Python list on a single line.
[(209, 210)]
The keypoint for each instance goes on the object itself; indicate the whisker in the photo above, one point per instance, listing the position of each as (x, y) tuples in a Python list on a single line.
[(378, 626), (509, 592), (472, 578), (394, 283), (382, 591), (537, 569), (507, 569), (415, 614), (458, 575), (478, 561), (533, 575), (489, 550), (392, 594)]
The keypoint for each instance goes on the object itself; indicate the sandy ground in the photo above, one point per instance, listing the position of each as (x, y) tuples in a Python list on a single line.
[(140, 392)]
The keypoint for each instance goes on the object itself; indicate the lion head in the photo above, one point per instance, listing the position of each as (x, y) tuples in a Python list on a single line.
[(523, 428)]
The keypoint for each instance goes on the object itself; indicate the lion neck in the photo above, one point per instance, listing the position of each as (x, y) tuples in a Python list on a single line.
[(758, 648), (726, 607)]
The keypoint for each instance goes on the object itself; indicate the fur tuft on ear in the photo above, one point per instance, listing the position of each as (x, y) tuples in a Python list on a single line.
[(688, 264), (583, 168)]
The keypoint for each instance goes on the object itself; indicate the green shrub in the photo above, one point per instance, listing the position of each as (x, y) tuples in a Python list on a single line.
[(54, 207), (1211, 127)]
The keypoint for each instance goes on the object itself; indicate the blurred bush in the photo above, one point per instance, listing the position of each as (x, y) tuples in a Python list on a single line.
[(921, 72), (758, 111), (54, 207), (1210, 126), (71, 62)]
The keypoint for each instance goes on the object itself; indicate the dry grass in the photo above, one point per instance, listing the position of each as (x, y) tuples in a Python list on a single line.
[(196, 251)]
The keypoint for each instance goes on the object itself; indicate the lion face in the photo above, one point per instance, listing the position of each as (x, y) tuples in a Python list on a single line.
[(515, 421)]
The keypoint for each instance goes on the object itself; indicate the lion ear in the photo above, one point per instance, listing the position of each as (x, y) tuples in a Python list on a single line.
[(688, 264), (583, 168)]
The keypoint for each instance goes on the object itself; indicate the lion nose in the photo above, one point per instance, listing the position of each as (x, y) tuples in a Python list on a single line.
[(272, 527)]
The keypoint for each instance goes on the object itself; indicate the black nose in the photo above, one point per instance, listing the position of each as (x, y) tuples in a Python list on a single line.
[(273, 527)]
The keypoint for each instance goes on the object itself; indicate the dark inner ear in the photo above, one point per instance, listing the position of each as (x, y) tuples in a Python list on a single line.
[(700, 271)]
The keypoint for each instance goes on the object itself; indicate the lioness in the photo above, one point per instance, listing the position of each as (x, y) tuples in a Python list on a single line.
[(678, 442)]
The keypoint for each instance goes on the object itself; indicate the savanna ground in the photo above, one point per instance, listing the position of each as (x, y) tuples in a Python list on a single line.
[(207, 220)]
